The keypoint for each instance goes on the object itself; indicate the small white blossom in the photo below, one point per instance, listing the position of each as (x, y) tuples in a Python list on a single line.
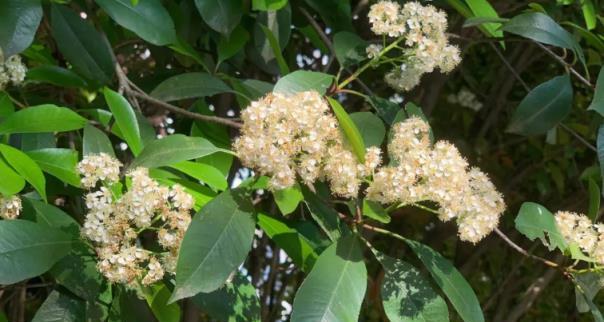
[(12, 71), (99, 167), (10, 207)]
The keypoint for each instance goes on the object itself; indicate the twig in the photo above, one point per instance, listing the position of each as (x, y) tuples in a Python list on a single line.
[(509, 66), (565, 64), (124, 85), (523, 251), (578, 137)]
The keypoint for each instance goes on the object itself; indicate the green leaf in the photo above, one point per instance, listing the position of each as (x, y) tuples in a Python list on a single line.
[(60, 163), (335, 13), (237, 301), (585, 289), (302, 80), (204, 172), (231, 45), (36, 141), (28, 249), (125, 118), (20, 20), (324, 215), (351, 132), (96, 141), (334, 289), (594, 200), (268, 5), (157, 299), (56, 75), (535, 221), (78, 272), (591, 38), (386, 109), (59, 307), (6, 105), (148, 19), (600, 148), (11, 182), (288, 199), (543, 108), (370, 127), (349, 48), (216, 243), (479, 21), (82, 46), (50, 216), (541, 28), (451, 282), (482, 8), (375, 211), (173, 149), (274, 44), (189, 85), (42, 118), (597, 103), (407, 296), (26, 167), (287, 237), (589, 13), (221, 15)]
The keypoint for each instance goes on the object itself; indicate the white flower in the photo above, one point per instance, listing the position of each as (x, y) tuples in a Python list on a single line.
[(13, 71), (99, 167), (10, 207), (373, 51)]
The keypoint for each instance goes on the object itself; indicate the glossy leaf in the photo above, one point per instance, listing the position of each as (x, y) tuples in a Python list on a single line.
[(27, 168), (148, 19), (42, 118), (597, 103), (274, 44), (96, 142), (334, 289), (221, 15), (324, 215), (78, 273), (157, 299), (375, 211), (204, 172), (125, 118), (20, 20), (56, 75), (351, 132), (231, 45), (59, 307), (535, 221), (215, 244), (370, 127), (385, 109), (407, 296), (301, 80), (173, 149), (589, 13), (28, 249), (543, 108), (60, 163), (11, 182), (482, 8), (288, 199), (189, 85), (349, 48), (82, 45), (450, 281)]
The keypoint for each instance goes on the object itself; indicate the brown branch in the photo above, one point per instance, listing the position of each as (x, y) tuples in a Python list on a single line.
[(524, 252)]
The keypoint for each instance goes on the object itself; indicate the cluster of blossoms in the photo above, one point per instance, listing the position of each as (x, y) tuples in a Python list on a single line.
[(10, 207), (421, 172), (284, 136), (113, 222), (422, 29), (465, 98), (12, 71), (580, 230)]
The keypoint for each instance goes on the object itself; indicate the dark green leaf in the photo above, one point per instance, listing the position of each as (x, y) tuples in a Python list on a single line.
[(335, 13), (216, 243), (587, 287), (407, 296), (451, 282), (84, 47), (96, 142), (11, 182), (37, 141), (535, 221), (78, 272), (274, 45), (20, 20), (231, 45), (370, 127), (349, 48), (221, 15), (237, 301), (28, 249), (125, 118), (600, 148), (56, 75), (26, 167), (597, 103), (42, 118), (148, 19), (324, 215), (302, 80), (60, 163), (386, 109), (172, 149), (59, 307), (351, 132), (543, 108), (189, 85), (50, 216), (334, 289), (6, 105)]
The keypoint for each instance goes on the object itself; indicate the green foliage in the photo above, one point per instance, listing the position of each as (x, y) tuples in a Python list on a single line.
[(189, 85), (535, 221), (18, 27)]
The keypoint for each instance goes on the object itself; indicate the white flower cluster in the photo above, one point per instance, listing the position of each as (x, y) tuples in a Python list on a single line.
[(438, 173), (10, 207), (284, 136), (12, 71), (465, 98), (113, 223), (580, 230), (423, 30)]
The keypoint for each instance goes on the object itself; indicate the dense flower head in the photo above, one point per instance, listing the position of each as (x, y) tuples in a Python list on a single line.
[(12, 71), (578, 229), (421, 172), (10, 207), (422, 30), (113, 222), (289, 136)]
